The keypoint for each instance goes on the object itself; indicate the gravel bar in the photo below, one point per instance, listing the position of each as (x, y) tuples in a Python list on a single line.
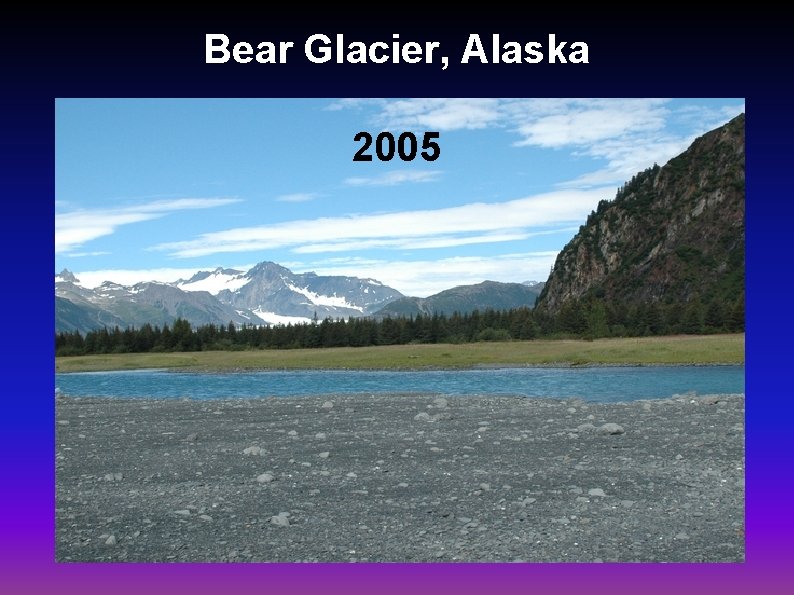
[(400, 477)]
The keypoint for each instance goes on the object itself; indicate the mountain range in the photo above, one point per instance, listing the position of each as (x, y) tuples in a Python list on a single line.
[(268, 293)]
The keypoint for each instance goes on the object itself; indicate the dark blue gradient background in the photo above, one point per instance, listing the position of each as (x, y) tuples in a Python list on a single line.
[(80, 54)]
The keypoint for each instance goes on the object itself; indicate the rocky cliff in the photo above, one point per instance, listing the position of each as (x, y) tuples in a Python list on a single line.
[(672, 234)]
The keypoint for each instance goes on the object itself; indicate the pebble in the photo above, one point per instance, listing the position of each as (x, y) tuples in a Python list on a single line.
[(324, 455), (292, 433), (596, 492), (113, 477), (423, 416), (321, 436), (327, 405), (280, 520), (571, 410), (254, 451), (440, 403), (485, 486), (682, 535), (205, 517), (265, 478), (192, 437), (111, 540), (611, 429), (183, 512)]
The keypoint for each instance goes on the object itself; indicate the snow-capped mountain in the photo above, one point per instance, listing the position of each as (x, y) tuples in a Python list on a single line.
[(271, 291), (266, 294)]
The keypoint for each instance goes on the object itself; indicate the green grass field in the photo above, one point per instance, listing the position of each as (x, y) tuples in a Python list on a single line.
[(709, 349)]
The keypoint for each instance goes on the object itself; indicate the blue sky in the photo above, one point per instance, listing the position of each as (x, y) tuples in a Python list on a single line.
[(151, 189)]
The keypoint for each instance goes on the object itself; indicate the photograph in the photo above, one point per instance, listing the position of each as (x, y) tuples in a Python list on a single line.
[(418, 330)]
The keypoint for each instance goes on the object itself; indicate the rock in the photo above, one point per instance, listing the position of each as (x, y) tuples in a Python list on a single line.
[(280, 520), (596, 492), (321, 436), (292, 433), (611, 429), (192, 437), (682, 535), (111, 540), (485, 486), (205, 517), (265, 478), (571, 410), (113, 477), (588, 427), (324, 455), (255, 451), (422, 416), (440, 403), (327, 405)]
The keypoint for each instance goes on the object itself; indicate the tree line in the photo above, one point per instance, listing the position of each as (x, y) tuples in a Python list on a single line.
[(587, 319)]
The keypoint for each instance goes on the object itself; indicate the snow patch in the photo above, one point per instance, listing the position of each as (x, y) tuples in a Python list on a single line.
[(215, 282), (273, 318), (324, 300)]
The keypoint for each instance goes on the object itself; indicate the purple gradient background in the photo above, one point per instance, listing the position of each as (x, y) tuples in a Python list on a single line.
[(78, 54)]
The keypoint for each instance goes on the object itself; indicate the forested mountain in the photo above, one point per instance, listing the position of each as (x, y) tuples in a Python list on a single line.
[(671, 243), (488, 295)]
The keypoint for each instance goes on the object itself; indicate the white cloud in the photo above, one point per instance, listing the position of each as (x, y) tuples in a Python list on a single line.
[(75, 228), (440, 114), (430, 225), (96, 253), (392, 178), (298, 197), (590, 126)]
